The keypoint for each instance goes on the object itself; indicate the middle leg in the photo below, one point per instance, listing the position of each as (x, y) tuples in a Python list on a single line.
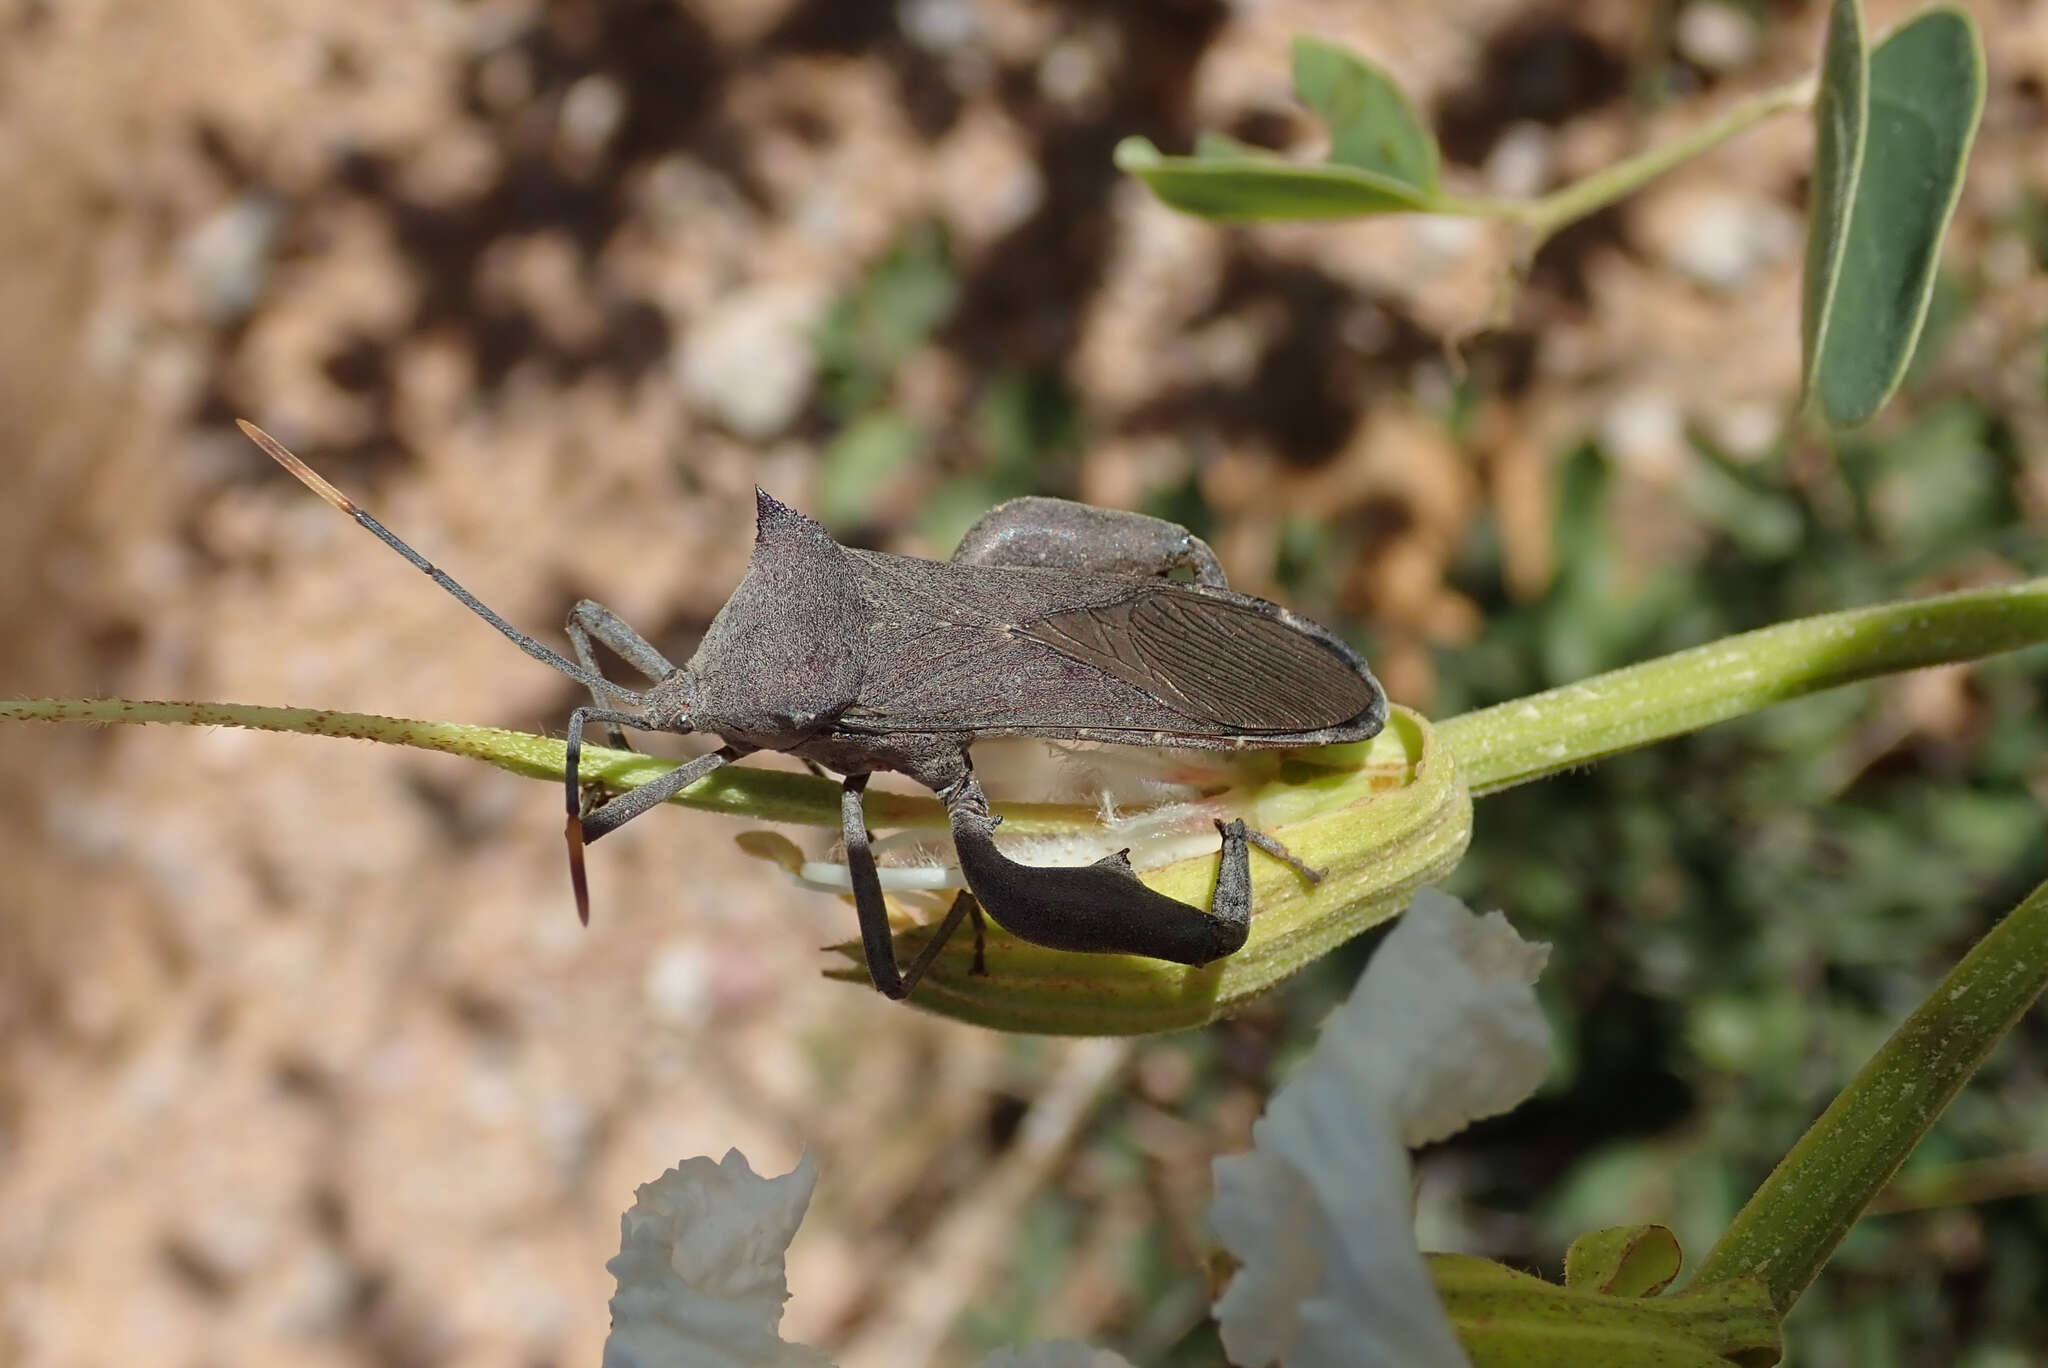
[(878, 941)]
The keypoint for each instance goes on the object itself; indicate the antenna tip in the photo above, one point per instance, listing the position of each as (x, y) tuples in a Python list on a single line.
[(305, 474)]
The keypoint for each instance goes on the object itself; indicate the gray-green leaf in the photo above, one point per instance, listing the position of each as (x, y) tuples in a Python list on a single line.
[(1211, 146), (861, 462), (1840, 116), (1372, 125), (1382, 157), (1246, 187), (1893, 136)]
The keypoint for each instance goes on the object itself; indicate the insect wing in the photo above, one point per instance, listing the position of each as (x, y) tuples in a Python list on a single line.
[(1236, 664)]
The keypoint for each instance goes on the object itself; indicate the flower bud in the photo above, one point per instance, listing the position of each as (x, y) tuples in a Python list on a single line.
[(1379, 819)]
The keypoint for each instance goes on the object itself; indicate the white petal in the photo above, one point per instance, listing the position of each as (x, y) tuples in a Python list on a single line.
[(1441, 1029), (700, 1269), (1055, 1354), (1443, 1022)]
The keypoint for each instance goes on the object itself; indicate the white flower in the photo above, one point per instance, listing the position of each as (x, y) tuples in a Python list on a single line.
[(701, 1281), (1441, 1030), (700, 1269)]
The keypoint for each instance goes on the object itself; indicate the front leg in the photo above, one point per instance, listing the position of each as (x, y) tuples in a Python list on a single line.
[(589, 619), (584, 828), (1076, 536), (1103, 907)]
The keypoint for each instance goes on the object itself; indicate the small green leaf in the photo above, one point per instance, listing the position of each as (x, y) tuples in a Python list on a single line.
[(1840, 110), (1893, 137), (1623, 1261), (1247, 187), (1509, 1319), (1372, 125), (860, 463), (1211, 146), (1382, 160)]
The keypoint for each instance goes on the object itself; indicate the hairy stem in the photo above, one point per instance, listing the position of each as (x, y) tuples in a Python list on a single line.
[(1512, 743), (1542, 217), (1496, 748), (1787, 1230), (766, 795)]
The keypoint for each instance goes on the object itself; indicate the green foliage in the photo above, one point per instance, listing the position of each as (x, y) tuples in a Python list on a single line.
[(1743, 915), (1233, 183), (1624, 1261), (1893, 129), (1383, 158), (1372, 126), (863, 458), (884, 319), (1041, 1249), (1027, 440), (1841, 121), (866, 338), (1024, 430), (1892, 136)]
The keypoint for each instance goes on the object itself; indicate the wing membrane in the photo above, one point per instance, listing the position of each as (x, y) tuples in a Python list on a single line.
[(1214, 659)]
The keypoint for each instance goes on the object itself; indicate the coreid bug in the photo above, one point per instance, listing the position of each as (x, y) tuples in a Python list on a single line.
[(1052, 619)]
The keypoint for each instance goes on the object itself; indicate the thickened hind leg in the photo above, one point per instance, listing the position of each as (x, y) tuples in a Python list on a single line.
[(1101, 907), (1074, 536)]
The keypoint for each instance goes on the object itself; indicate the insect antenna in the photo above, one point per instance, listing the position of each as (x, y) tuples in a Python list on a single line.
[(538, 650)]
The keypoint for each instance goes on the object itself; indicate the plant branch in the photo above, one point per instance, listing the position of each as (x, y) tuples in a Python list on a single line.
[(764, 795), (1512, 743), (1787, 1230), (1497, 747), (1542, 217)]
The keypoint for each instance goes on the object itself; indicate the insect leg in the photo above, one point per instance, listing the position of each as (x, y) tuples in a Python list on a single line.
[(876, 940), (633, 802), (1102, 907), (957, 913), (1075, 536), (581, 830), (1309, 873), (588, 619)]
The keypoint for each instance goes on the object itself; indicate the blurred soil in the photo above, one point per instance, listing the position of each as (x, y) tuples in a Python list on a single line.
[(303, 1058)]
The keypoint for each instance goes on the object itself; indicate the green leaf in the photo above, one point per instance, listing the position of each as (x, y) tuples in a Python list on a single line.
[(1840, 116), (1211, 146), (1372, 125), (1509, 1319), (1892, 138), (1624, 1261), (1383, 159), (882, 321), (860, 463), (1242, 188)]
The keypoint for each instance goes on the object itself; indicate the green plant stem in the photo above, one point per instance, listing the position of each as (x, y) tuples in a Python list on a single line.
[(762, 794), (1512, 743), (1787, 1230), (1540, 218), (1495, 747)]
